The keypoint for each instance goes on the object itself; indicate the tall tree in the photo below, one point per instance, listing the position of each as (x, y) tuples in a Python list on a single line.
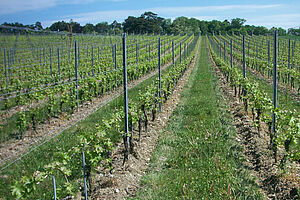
[(203, 27), (214, 27), (237, 23), (38, 26), (88, 28), (102, 27), (281, 31), (59, 26)]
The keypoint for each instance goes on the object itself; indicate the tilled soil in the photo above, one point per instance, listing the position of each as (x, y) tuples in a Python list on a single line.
[(259, 157), (124, 180)]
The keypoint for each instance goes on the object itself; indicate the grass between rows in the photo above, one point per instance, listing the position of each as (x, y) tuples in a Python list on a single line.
[(44, 155), (197, 156)]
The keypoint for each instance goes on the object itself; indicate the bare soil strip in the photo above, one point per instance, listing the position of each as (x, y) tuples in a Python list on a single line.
[(259, 157), (124, 180)]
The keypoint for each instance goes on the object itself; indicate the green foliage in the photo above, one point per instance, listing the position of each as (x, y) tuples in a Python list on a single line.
[(22, 122), (94, 80), (287, 122), (95, 144)]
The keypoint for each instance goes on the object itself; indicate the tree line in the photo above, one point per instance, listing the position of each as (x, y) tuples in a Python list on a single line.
[(149, 23)]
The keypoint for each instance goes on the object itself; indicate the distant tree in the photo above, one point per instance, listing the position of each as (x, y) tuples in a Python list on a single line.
[(130, 24), (237, 23), (8, 30), (153, 22), (250, 29), (88, 28), (115, 28), (38, 26), (115, 25), (243, 30), (225, 25), (148, 22), (194, 25), (214, 27), (102, 28), (203, 25), (234, 31), (293, 31), (64, 26), (76, 27), (281, 31), (181, 26), (260, 30), (166, 26), (59, 26)]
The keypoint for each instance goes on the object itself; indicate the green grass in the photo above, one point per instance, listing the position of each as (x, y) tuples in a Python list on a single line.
[(197, 156), (67, 139)]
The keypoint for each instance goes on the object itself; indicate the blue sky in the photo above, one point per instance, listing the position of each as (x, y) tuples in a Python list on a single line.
[(267, 13)]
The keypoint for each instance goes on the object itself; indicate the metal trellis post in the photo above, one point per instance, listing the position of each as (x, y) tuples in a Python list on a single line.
[(58, 63), (125, 136), (231, 58), (289, 58), (159, 75), (76, 76), (275, 51), (84, 176), (54, 187), (244, 59)]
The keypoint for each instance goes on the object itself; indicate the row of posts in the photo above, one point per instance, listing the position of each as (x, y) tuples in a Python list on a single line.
[(290, 45), (9, 58), (125, 135), (8, 70), (126, 129), (275, 81), (291, 52)]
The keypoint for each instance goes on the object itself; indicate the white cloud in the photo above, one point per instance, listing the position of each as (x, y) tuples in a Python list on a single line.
[(15, 6), (196, 9), (70, 2), (207, 18), (96, 17), (208, 13), (280, 20)]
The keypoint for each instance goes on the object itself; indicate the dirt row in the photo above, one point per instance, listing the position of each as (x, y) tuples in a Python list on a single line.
[(256, 149)]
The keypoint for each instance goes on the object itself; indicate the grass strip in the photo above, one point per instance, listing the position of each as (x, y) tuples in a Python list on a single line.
[(197, 156)]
